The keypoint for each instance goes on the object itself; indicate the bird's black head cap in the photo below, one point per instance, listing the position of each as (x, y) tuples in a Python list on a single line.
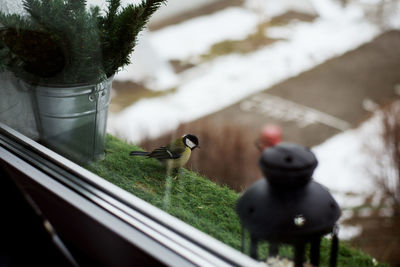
[(191, 141)]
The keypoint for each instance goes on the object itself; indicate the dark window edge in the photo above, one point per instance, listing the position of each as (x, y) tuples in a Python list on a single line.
[(178, 237)]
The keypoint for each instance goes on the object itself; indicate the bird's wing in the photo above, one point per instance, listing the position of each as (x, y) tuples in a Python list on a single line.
[(139, 153), (166, 152)]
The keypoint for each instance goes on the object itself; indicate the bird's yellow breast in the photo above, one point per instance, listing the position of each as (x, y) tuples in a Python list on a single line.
[(179, 162)]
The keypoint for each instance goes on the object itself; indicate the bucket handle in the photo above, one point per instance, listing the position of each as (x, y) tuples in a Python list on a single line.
[(96, 91)]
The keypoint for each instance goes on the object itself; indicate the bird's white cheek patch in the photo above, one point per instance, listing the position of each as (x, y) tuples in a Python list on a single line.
[(190, 143)]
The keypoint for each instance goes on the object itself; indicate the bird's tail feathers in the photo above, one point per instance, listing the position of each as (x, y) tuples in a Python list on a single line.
[(139, 153)]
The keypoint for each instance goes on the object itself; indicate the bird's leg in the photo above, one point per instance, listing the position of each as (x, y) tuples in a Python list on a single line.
[(176, 173), (167, 193)]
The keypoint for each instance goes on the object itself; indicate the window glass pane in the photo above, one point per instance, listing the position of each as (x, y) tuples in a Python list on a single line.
[(175, 101)]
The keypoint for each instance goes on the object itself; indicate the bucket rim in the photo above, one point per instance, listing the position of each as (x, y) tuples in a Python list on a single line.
[(63, 86)]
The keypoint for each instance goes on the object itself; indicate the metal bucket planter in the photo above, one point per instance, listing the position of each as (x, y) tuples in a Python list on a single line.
[(72, 120)]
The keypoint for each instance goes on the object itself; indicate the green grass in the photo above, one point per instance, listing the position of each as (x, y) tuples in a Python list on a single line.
[(193, 198)]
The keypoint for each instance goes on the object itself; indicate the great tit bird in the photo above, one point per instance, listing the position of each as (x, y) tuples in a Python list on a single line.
[(175, 154)]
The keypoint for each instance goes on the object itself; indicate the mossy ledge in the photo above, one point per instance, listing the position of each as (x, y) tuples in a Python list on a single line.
[(194, 199)]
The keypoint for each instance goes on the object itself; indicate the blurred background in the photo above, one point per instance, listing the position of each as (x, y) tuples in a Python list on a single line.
[(325, 73)]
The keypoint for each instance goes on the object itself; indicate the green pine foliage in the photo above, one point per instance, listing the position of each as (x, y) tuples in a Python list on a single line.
[(119, 29), (64, 42)]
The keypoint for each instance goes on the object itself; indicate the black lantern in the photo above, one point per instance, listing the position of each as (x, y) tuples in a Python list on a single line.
[(288, 207)]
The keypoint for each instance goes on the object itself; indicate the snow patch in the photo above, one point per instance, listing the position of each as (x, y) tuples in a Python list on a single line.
[(196, 36), (217, 84)]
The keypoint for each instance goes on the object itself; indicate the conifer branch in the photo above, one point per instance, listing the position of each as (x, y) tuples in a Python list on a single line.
[(119, 33), (63, 34)]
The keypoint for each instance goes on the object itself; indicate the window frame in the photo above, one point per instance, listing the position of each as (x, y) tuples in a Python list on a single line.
[(141, 225)]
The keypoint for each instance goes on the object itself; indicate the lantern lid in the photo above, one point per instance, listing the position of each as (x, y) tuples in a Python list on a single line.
[(288, 164)]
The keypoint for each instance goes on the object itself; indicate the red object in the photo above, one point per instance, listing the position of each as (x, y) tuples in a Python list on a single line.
[(270, 135)]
